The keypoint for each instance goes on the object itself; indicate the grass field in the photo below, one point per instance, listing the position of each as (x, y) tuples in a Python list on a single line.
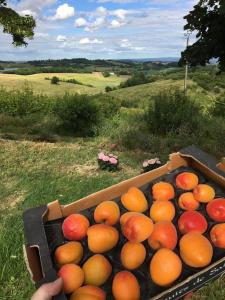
[(42, 86)]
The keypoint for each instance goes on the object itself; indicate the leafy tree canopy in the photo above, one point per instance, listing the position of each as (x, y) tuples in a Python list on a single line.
[(208, 19), (20, 27)]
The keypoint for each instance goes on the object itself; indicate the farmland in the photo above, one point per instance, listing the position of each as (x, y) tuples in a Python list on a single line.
[(42, 86), (41, 159)]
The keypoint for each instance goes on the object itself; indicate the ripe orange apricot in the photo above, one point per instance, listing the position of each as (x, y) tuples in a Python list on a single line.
[(204, 193), (217, 235), (125, 286), (165, 267), (187, 201), (132, 255), (134, 200), (72, 276), (107, 212), (97, 270), (126, 216), (195, 250), (71, 252), (75, 227), (163, 191), (88, 292), (162, 211), (186, 181), (137, 228), (102, 238), (164, 235)]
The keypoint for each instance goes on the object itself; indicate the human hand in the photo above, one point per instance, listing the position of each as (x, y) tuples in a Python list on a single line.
[(48, 290)]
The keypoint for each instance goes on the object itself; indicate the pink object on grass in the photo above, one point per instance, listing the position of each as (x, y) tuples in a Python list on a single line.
[(113, 161), (105, 158)]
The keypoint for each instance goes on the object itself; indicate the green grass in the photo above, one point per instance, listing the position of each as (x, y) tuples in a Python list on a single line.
[(42, 86)]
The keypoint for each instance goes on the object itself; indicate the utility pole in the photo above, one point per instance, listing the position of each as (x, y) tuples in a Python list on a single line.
[(186, 66)]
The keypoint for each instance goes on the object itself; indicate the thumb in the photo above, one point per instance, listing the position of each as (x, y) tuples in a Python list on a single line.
[(48, 290)]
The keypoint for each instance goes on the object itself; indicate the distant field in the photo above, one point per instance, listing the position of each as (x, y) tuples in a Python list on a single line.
[(40, 85)]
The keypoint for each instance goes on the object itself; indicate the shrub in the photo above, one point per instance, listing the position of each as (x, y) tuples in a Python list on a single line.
[(23, 102), (219, 107), (55, 80), (106, 74), (108, 89), (136, 79), (170, 111), (78, 113)]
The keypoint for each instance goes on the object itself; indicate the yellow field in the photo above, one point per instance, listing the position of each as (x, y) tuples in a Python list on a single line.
[(40, 85)]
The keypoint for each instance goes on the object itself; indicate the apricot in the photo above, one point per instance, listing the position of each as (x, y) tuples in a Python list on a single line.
[(216, 209), (165, 267), (187, 201), (204, 193), (195, 250), (132, 255), (102, 238), (162, 211), (97, 270), (163, 191), (186, 181), (75, 227), (71, 252), (134, 200), (88, 292), (137, 228), (107, 212), (126, 216), (164, 235), (125, 286), (217, 235), (72, 276), (192, 221)]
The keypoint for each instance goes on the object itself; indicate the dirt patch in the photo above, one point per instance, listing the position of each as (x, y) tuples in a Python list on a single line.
[(87, 170), (13, 200), (97, 74)]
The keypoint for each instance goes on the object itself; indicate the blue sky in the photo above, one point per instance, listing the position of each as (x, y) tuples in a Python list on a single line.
[(101, 29)]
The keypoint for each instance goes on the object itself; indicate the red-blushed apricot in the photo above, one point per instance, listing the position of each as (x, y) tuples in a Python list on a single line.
[(192, 221), (163, 191), (164, 235), (102, 238), (137, 228), (132, 255), (217, 235), (97, 270), (75, 227), (134, 200), (216, 209), (126, 216), (204, 193), (162, 211), (186, 181), (72, 276), (195, 250), (107, 212), (165, 267), (187, 201), (88, 292), (125, 286), (71, 252)]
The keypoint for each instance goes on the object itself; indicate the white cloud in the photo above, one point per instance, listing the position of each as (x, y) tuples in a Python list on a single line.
[(120, 13), (117, 1), (80, 22), (28, 12), (31, 6), (41, 34), (64, 12), (125, 43), (86, 40), (116, 24), (61, 38), (102, 11), (98, 23)]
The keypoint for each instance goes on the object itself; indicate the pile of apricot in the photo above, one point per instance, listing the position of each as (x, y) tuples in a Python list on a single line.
[(156, 224)]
